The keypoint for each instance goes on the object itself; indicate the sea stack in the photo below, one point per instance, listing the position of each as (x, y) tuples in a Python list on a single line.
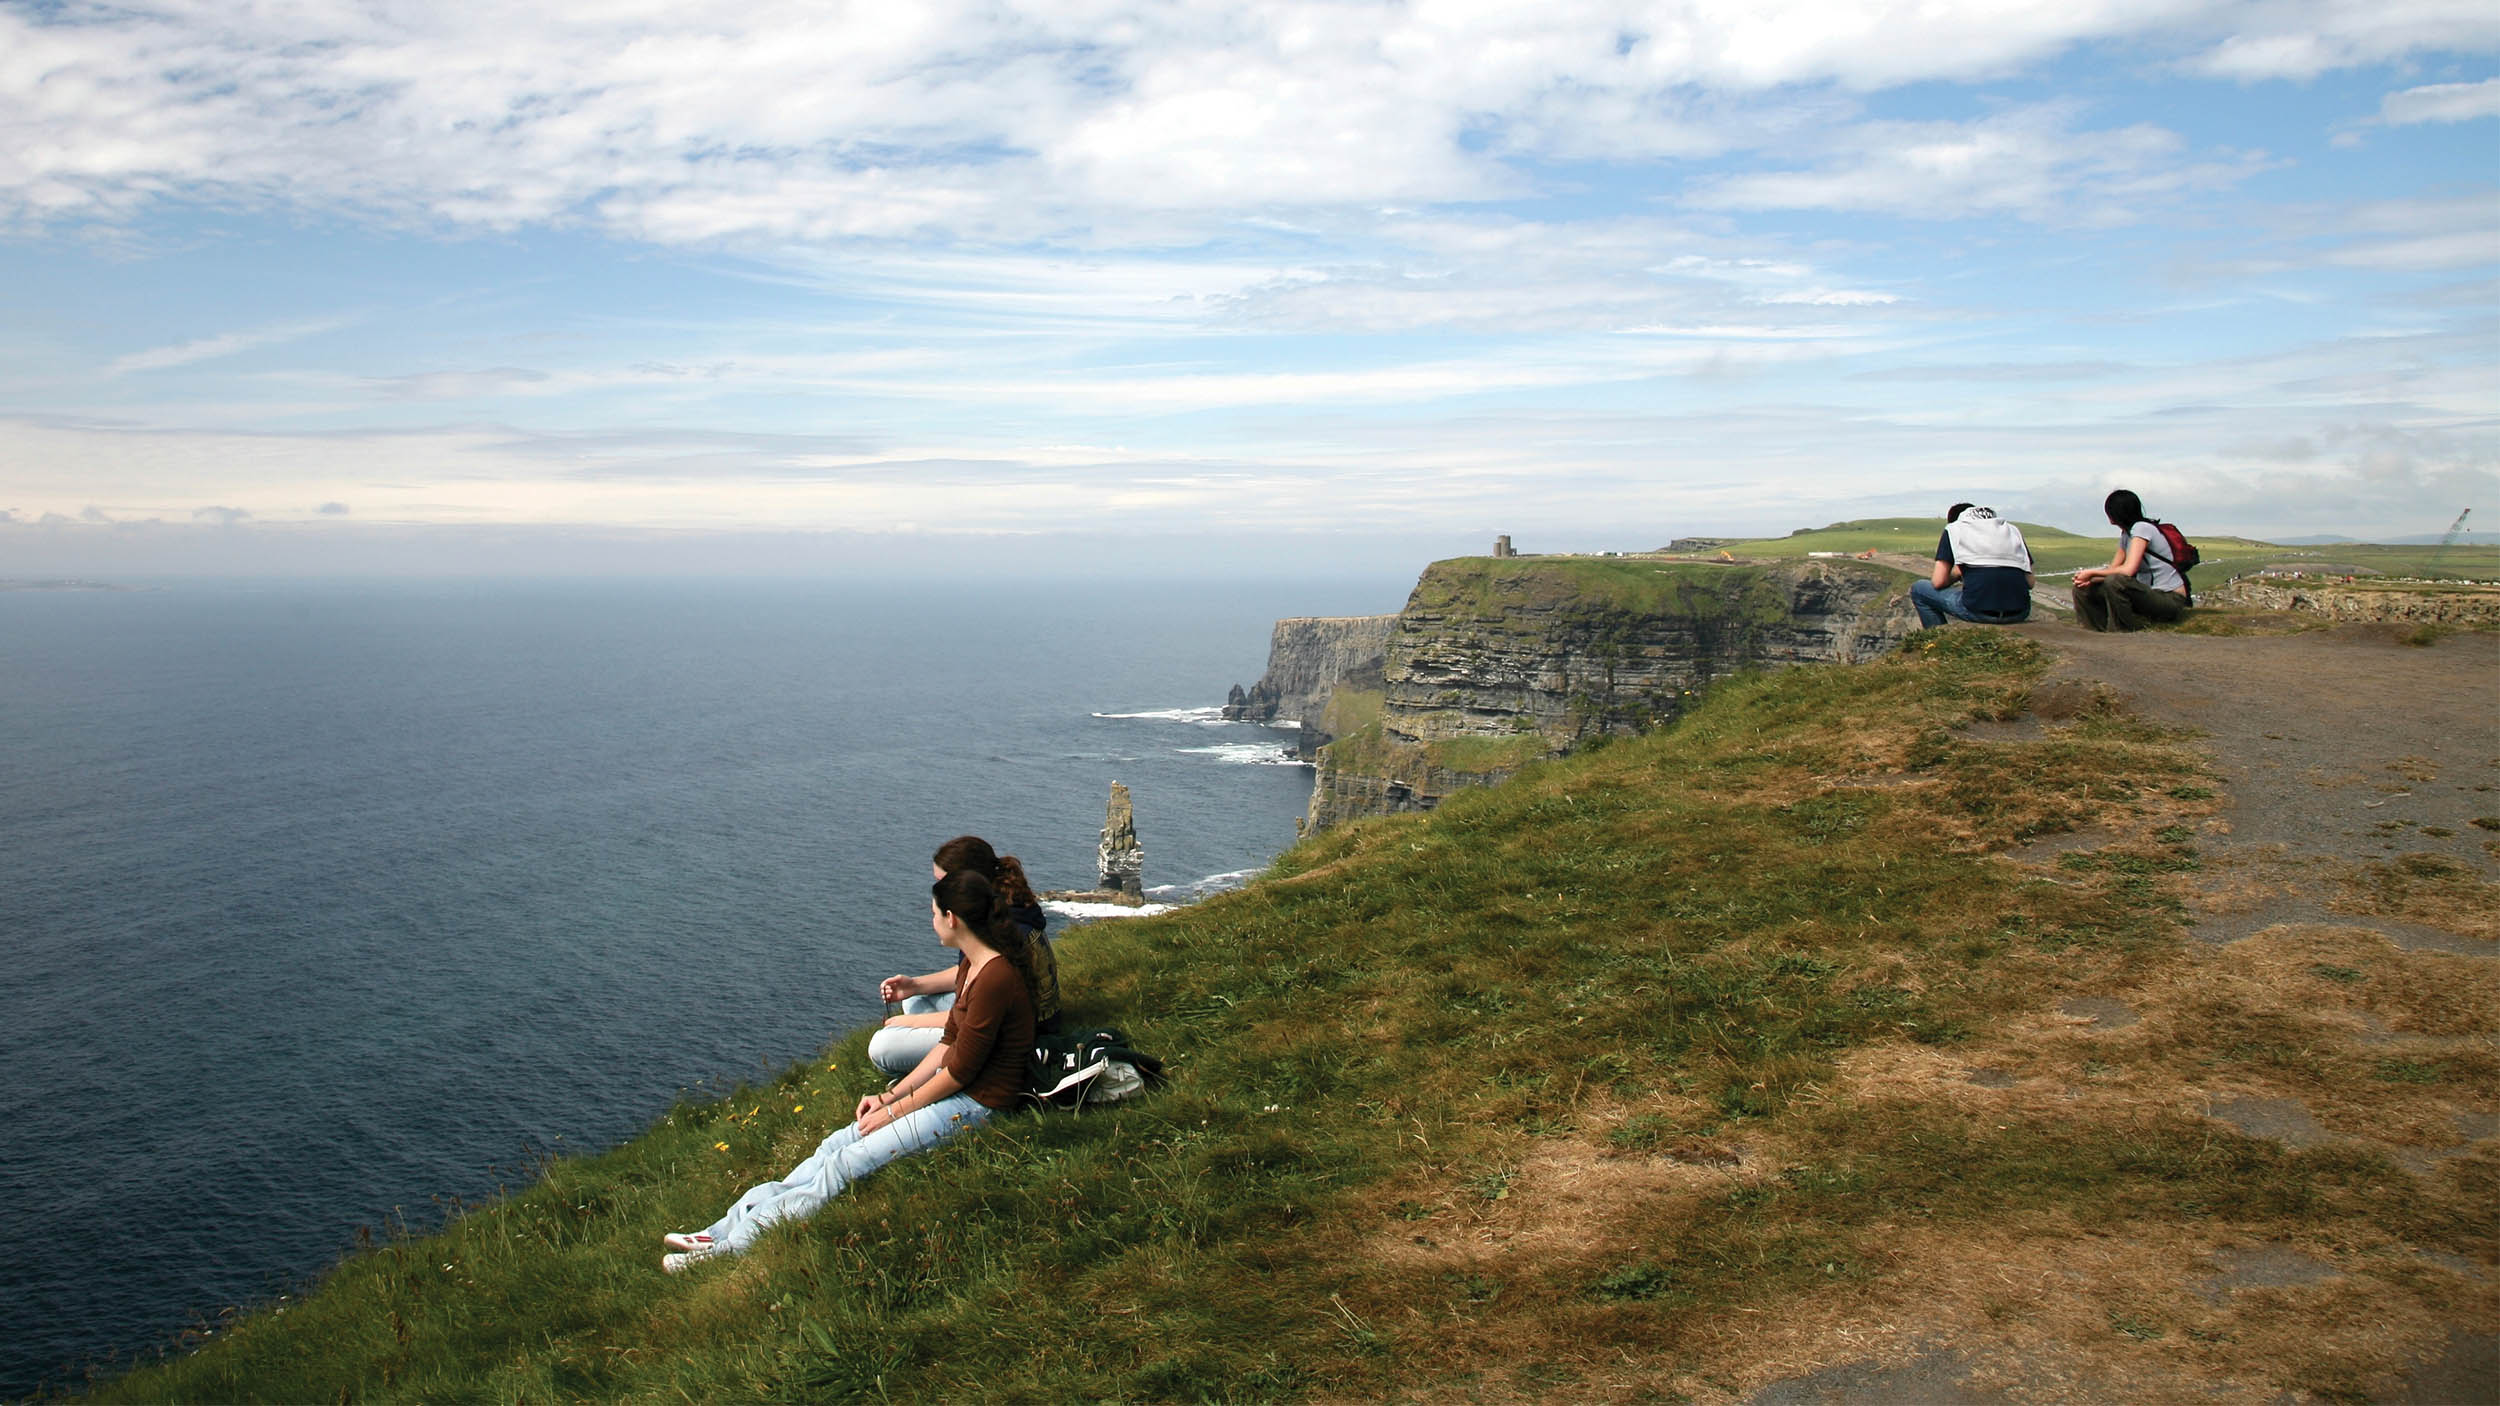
[(1122, 860)]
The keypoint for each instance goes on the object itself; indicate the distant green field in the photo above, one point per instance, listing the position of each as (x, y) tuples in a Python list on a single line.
[(2052, 548), (2458, 563), (2055, 549)]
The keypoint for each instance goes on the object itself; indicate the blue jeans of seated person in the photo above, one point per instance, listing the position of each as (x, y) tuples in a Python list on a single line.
[(898, 1050), (1934, 605), (838, 1161)]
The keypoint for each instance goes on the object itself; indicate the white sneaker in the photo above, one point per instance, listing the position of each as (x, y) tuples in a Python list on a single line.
[(688, 1240), (679, 1263)]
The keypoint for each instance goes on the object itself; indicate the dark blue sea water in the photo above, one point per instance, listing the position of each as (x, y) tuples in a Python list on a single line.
[(320, 903)]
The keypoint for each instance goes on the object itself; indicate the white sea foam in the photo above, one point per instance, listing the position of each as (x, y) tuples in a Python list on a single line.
[(1247, 754), (1104, 910), (1201, 888), (1173, 715)]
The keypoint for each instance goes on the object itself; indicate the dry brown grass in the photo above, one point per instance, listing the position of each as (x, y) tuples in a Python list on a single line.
[(2036, 1304), (2044, 1302), (2430, 889), (2046, 1311)]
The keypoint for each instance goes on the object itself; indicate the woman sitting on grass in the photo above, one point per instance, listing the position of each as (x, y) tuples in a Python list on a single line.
[(925, 999), (976, 1068), (2141, 585)]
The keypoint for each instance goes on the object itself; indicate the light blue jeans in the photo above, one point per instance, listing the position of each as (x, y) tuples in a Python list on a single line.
[(838, 1161), (1934, 605), (899, 1050)]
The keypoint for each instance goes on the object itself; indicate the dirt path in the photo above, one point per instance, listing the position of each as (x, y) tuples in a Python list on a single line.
[(2345, 878), (2336, 748)]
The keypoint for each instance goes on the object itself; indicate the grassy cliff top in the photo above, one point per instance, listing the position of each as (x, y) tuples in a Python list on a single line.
[(1632, 585), (1635, 1078)]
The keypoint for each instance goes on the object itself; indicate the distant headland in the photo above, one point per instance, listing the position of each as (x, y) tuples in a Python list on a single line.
[(61, 585)]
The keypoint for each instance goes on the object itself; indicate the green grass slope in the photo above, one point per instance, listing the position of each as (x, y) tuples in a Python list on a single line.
[(1620, 1053)]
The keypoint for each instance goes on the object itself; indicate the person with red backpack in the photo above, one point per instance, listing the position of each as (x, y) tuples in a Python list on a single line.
[(2145, 582)]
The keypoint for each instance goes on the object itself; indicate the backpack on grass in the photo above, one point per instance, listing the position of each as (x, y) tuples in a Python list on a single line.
[(1070, 1070)]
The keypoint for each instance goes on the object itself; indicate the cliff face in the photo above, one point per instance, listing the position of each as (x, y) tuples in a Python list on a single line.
[(1308, 659), (1497, 663)]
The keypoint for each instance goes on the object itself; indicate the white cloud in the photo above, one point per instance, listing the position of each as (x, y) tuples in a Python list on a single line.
[(989, 120), (1507, 276), (2441, 102), (463, 385), (2422, 235), (2363, 478), (210, 348), (2028, 162), (2300, 39), (2435, 102)]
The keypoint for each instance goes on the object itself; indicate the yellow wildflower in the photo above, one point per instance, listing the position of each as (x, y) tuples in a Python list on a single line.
[(720, 1147)]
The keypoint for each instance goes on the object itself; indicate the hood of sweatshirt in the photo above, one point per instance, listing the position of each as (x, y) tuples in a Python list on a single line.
[(1981, 538)]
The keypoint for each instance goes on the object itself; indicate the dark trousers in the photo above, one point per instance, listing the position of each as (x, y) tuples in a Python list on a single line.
[(2124, 603)]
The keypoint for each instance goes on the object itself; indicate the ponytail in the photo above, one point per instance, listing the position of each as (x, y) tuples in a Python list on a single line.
[(1013, 890), (1002, 870)]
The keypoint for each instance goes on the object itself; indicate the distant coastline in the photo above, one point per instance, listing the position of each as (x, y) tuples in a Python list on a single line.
[(61, 585)]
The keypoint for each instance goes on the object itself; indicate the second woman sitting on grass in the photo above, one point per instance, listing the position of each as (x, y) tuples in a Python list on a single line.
[(976, 1068), (925, 999)]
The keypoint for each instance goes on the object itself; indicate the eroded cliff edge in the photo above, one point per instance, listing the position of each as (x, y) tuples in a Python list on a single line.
[(1308, 659), (1498, 662)]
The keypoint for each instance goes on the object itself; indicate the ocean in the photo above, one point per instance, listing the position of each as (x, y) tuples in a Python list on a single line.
[(326, 905)]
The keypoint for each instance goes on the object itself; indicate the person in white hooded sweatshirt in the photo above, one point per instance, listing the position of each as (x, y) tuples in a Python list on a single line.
[(1988, 557)]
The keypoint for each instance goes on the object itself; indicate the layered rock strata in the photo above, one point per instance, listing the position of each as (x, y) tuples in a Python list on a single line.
[(1308, 659), (1496, 663), (2430, 605), (1120, 859)]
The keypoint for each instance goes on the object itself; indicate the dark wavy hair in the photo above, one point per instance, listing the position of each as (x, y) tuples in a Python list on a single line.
[(977, 904), (2124, 509), (1002, 870)]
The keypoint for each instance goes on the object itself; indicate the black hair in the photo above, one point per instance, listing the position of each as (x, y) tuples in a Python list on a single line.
[(1955, 511), (974, 901), (2124, 508)]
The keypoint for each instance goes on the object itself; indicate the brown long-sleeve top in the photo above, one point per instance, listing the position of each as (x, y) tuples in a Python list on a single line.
[(989, 1033)]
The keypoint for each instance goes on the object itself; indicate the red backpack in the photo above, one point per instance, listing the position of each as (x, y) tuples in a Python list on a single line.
[(2182, 555)]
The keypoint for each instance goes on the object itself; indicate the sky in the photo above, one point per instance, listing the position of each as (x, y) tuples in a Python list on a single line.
[(304, 284)]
